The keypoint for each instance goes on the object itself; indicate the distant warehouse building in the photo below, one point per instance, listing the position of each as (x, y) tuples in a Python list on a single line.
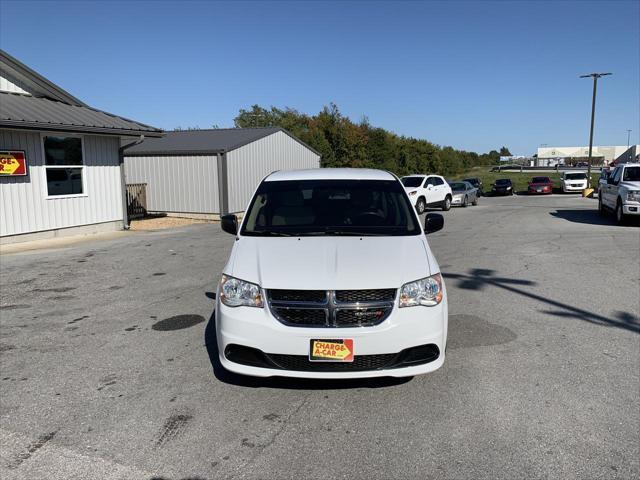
[(550, 156), (60, 162), (207, 173)]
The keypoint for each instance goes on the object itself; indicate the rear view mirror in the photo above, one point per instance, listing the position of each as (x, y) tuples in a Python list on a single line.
[(229, 224), (433, 222)]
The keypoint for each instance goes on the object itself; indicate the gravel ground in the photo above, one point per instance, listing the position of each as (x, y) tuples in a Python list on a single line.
[(158, 223), (106, 371)]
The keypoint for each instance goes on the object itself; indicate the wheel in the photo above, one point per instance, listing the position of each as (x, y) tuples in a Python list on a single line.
[(447, 204), (475, 202), (466, 202), (601, 207), (619, 214), (421, 206)]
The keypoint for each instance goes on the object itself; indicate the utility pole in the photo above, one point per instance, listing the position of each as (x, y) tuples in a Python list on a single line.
[(628, 136), (595, 77)]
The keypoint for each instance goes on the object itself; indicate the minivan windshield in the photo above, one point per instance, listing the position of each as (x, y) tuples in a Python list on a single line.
[(330, 207), (412, 182), (575, 176)]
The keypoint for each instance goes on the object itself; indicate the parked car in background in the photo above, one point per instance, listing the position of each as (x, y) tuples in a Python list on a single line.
[(427, 191), (573, 181), (283, 310), (621, 194), (540, 186), (582, 165), (502, 186), (463, 193), (476, 182)]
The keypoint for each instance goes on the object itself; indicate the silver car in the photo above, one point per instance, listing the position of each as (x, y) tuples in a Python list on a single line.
[(463, 193)]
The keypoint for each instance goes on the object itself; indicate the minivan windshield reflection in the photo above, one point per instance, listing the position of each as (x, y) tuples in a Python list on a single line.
[(330, 207)]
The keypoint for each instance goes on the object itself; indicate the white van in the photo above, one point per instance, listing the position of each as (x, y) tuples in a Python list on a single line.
[(331, 276), (572, 182)]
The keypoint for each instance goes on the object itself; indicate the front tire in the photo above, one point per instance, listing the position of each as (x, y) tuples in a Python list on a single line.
[(620, 219), (601, 207), (475, 202), (421, 206), (465, 202), (446, 206)]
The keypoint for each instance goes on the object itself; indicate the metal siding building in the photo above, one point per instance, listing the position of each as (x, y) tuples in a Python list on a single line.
[(174, 189), (55, 197), (212, 172)]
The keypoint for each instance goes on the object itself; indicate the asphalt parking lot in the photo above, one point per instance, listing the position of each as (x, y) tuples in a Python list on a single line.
[(106, 373)]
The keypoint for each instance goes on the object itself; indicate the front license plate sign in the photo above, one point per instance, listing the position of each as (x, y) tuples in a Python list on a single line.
[(336, 350)]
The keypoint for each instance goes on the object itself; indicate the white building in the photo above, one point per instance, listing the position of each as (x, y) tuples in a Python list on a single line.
[(207, 173), (573, 155), (60, 162)]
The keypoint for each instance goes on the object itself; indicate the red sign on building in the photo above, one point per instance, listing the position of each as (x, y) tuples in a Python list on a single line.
[(13, 163)]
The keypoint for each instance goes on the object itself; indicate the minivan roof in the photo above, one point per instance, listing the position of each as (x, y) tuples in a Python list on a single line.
[(330, 174)]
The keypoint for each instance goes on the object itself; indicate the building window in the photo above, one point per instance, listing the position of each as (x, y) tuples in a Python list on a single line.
[(64, 165)]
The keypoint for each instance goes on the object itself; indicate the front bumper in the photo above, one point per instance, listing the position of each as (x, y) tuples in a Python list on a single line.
[(540, 190), (405, 328), (572, 188), (631, 208)]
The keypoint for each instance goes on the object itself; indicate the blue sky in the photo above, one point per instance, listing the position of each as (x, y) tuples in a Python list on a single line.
[(474, 75)]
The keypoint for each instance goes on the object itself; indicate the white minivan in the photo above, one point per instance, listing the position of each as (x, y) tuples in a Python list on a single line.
[(331, 276)]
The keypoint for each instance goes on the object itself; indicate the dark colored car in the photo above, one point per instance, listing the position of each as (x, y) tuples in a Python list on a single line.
[(540, 186), (477, 183), (502, 186)]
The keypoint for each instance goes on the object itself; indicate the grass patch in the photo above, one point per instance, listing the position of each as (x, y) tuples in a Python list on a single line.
[(520, 180)]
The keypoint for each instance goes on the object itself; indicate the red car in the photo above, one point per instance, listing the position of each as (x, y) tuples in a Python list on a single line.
[(540, 186)]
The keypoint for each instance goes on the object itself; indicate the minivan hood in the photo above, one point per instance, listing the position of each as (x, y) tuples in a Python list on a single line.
[(331, 263)]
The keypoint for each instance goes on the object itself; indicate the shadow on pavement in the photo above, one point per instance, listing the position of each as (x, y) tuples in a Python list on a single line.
[(591, 217), (231, 378), (477, 279)]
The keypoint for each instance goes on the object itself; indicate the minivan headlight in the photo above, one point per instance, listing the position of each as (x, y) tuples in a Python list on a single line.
[(235, 293), (426, 292)]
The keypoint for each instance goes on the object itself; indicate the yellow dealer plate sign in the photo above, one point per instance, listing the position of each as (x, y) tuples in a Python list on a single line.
[(13, 163)]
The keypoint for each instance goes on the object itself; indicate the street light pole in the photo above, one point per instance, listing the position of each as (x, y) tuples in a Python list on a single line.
[(595, 77), (628, 136)]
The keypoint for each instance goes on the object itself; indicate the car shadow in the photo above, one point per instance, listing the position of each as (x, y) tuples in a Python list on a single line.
[(591, 217), (287, 383), (479, 279)]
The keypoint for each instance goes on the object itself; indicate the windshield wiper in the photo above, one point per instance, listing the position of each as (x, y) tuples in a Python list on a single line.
[(346, 233), (271, 233)]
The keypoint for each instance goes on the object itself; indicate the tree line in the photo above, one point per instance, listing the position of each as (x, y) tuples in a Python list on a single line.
[(344, 143)]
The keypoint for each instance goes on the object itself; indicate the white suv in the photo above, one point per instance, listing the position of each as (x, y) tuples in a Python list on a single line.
[(573, 181), (331, 276), (621, 192), (428, 191)]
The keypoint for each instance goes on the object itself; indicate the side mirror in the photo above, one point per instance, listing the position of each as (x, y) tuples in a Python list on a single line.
[(433, 222), (429, 187), (229, 224)]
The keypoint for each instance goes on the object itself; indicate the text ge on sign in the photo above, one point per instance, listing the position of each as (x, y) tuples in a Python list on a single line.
[(13, 163)]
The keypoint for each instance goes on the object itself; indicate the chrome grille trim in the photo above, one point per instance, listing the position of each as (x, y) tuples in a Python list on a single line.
[(330, 306)]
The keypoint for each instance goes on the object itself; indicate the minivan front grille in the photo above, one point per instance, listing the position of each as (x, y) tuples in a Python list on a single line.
[(332, 308)]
